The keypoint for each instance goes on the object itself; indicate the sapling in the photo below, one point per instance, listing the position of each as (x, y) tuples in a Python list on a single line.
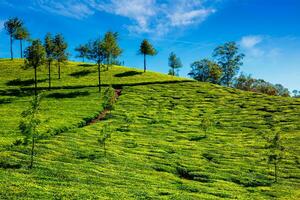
[(29, 125), (109, 98), (128, 121), (276, 153), (105, 135), (206, 124)]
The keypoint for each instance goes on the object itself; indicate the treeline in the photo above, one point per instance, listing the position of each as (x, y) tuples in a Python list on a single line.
[(223, 69), (103, 51)]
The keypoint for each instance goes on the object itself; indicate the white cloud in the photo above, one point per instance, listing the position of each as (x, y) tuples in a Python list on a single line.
[(152, 16), (70, 8), (146, 16), (250, 41), (260, 47), (250, 45)]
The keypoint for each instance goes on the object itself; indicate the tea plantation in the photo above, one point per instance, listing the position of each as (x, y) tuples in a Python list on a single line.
[(157, 149)]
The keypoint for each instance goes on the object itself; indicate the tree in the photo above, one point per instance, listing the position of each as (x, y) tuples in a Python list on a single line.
[(174, 64), (146, 49), (206, 124), (276, 153), (21, 34), (105, 135), (49, 48), (11, 26), (111, 47), (282, 91), (244, 82), (109, 98), (230, 60), (35, 56), (60, 54), (206, 71), (97, 53), (83, 51), (29, 125), (296, 93)]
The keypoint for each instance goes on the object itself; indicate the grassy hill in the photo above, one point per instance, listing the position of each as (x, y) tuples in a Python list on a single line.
[(157, 148)]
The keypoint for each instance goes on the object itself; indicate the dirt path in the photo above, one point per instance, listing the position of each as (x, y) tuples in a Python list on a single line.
[(103, 114)]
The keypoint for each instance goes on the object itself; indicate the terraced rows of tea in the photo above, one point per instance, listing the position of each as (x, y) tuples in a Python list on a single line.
[(157, 149)]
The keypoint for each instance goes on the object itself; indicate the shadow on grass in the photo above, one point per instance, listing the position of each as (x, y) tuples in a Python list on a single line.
[(19, 82), (86, 65), (16, 92), (129, 73), (5, 101), (59, 95), (81, 73)]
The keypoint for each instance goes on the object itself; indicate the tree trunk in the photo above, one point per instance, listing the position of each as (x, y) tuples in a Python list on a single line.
[(49, 74), (173, 71), (83, 59), (144, 62), (11, 50), (32, 153), (35, 81), (21, 48), (99, 78), (58, 70)]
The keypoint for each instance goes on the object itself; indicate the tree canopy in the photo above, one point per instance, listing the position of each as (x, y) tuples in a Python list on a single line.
[(206, 71), (230, 60), (174, 64)]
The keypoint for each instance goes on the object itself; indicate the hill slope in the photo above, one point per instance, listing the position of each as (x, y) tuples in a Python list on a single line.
[(157, 148)]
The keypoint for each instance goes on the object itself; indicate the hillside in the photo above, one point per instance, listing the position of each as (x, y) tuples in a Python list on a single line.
[(157, 148)]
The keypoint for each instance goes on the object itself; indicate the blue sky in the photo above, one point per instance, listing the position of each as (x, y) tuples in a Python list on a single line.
[(267, 31)]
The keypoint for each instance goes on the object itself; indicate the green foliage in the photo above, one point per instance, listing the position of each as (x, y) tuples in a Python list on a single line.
[(105, 135), (247, 83), (21, 34), (49, 46), (142, 161), (83, 51), (109, 98), (111, 46), (35, 54), (276, 152), (206, 71), (230, 60), (206, 124), (146, 49), (29, 124), (60, 51), (174, 63), (11, 26), (60, 48)]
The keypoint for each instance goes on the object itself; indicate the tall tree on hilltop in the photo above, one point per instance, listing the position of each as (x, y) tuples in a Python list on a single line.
[(111, 46), (21, 34), (146, 49), (35, 57), (83, 51), (60, 51), (174, 64), (230, 60), (11, 26), (49, 48), (98, 54)]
